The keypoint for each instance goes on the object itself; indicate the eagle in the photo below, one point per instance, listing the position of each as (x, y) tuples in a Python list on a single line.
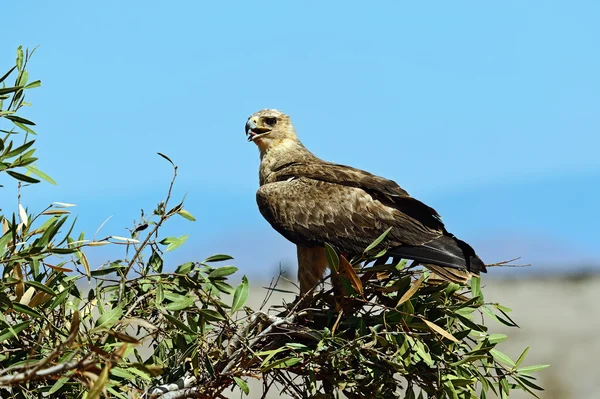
[(312, 202)]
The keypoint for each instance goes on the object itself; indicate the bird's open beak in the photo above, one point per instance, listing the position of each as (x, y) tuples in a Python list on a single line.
[(253, 131)]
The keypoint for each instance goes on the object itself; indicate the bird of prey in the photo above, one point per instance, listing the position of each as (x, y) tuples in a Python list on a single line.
[(312, 202)]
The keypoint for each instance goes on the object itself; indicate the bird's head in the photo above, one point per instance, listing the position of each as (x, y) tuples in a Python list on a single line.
[(269, 128)]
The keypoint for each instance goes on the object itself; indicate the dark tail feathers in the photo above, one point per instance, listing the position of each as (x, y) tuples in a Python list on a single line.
[(446, 251)]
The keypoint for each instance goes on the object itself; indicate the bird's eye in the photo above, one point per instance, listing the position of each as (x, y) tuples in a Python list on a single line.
[(271, 121)]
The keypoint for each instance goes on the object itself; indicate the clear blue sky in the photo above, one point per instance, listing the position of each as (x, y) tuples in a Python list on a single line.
[(490, 112)]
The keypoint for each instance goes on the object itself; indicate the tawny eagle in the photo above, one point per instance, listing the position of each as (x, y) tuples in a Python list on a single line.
[(312, 202)]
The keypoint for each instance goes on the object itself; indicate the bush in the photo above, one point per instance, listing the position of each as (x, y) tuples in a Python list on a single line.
[(395, 331)]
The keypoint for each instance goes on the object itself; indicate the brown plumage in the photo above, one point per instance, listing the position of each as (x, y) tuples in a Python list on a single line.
[(312, 202)]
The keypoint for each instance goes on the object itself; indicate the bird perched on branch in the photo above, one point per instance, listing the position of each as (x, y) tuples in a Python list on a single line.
[(312, 202)]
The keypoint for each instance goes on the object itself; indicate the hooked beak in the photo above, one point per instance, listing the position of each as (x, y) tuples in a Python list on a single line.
[(253, 131)]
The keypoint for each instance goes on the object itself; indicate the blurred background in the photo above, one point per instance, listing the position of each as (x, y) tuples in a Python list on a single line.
[(487, 112)]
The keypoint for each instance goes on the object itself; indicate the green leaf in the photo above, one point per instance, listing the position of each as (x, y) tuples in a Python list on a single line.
[(532, 369), (139, 373), (115, 393), (173, 297), (3, 78), (530, 384), (240, 296), (218, 258), (24, 127), (41, 287), (23, 78), (173, 243), (282, 363), (297, 346), (122, 373), (155, 262), (7, 90), (243, 385), (20, 57), (182, 326), (501, 357), (34, 84), (522, 357), (222, 271), (185, 214), (476, 287), (209, 366), (211, 315), (496, 338), (16, 118), (22, 177), (58, 384), (468, 359), (377, 241), (108, 319), (184, 268), (26, 310), (450, 391), (332, 257), (223, 286), (424, 355), (114, 267), (166, 157), (19, 149), (13, 331), (184, 303), (4, 240)]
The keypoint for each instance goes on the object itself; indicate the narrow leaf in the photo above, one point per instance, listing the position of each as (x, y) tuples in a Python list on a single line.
[(282, 363), (155, 262), (411, 291), (377, 241), (243, 385), (26, 310), (218, 258), (240, 296), (173, 243), (532, 369), (522, 357), (99, 384), (185, 303), (41, 287), (84, 263), (222, 271), (22, 177), (40, 174), (332, 257), (440, 330), (349, 272), (12, 331), (187, 215), (34, 84), (211, 315), (166, 157), (501, 357), (109, 318)]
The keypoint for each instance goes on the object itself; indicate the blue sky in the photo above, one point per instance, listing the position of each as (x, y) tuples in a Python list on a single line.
[(486, 111)]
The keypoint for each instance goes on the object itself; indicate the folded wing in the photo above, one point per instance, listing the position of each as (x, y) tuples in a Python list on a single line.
[(317, 203)]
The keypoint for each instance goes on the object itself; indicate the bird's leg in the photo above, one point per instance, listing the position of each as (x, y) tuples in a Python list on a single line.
[(311, 266)]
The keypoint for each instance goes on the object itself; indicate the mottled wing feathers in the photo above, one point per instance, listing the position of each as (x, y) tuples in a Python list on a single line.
[(315, 203), (312, 212), (384, 190), (341, 174)]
